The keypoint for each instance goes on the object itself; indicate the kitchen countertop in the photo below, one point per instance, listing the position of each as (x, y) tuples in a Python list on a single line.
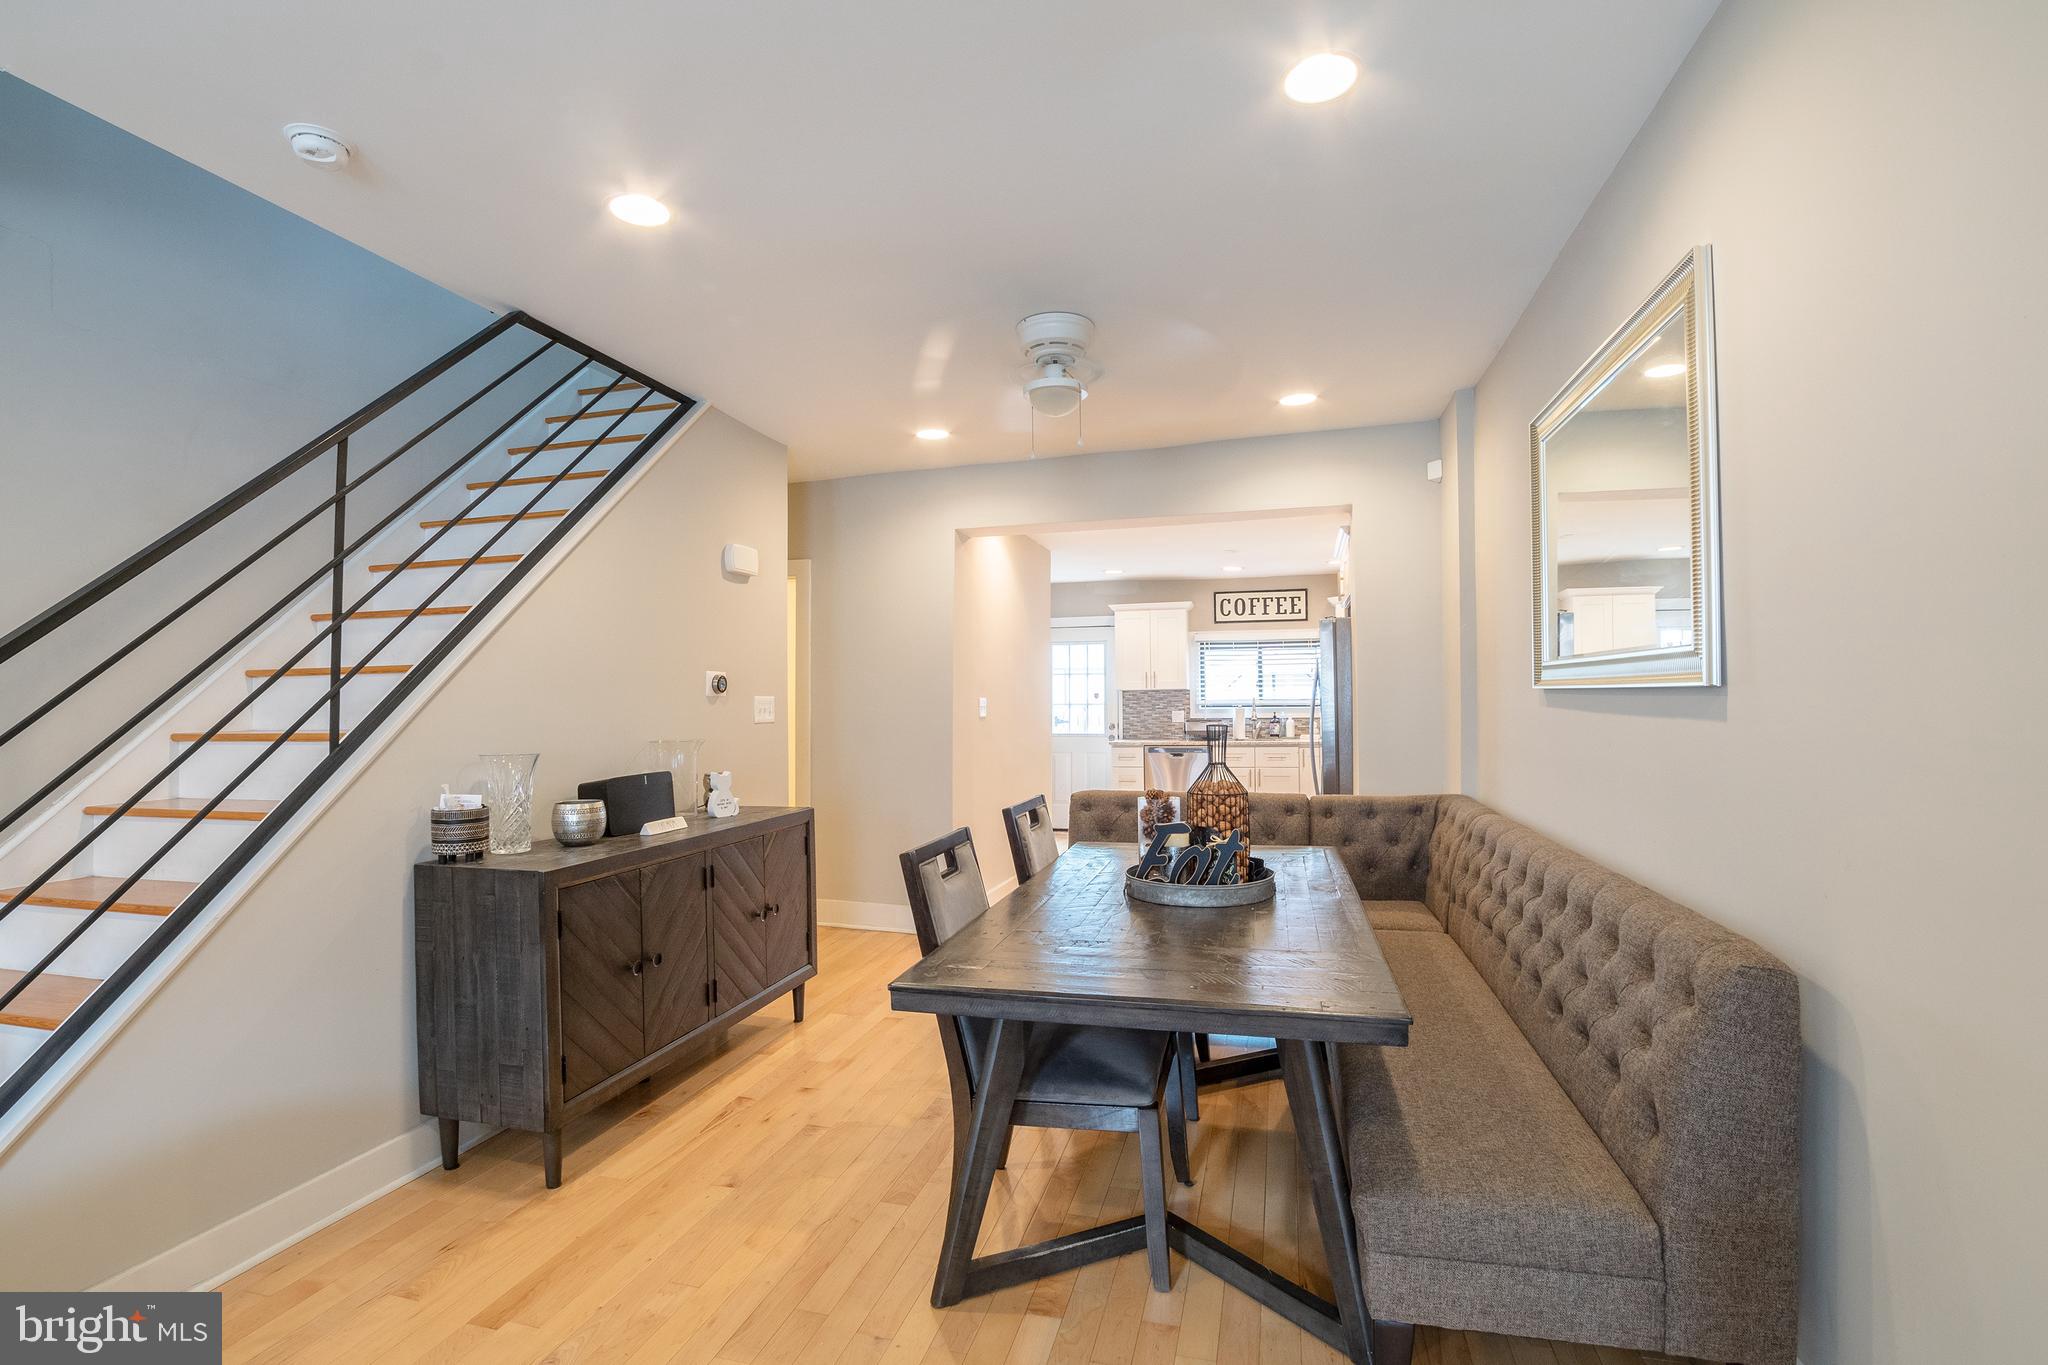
[(1297, 742)]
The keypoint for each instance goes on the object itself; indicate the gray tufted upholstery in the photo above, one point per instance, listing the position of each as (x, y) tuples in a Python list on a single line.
[(1678, 1042), (1112, 817), (1382, 840)]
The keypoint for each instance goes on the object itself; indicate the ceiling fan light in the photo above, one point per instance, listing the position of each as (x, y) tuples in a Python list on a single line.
[(1055, 395)]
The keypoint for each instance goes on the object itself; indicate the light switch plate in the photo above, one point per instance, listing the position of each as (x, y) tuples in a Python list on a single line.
[(764, 710)]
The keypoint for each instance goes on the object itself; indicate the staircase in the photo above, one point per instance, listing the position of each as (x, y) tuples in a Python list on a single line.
[(113, 855)]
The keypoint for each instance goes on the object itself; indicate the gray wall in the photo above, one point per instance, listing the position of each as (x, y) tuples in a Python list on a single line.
[(163, 337), (283, 1052), (882, 551), (1865, 795)]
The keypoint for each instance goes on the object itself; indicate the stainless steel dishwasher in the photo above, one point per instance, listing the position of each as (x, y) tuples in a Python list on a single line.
[(1172, 767)]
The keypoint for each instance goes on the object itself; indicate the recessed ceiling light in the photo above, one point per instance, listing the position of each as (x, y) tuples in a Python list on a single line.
[(1233, 568), (932, 433), (1323, 77), (1299, 400), (641, 210), (1111, 573), (1669, 549), (1665, 371)]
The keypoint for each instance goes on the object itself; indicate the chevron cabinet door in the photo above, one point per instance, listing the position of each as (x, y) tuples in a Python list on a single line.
[(677, 942), (786, 937), (602, 977), (739, 920)]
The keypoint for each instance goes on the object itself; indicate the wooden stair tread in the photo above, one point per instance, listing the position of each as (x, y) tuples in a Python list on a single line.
[(392, 613), (572, 445), (623, 386), (496, 517), (150, 896), (185, 807), (47, 1002), (610, 412), (540, 478), (445, 563), (323, 672), (251, 736)]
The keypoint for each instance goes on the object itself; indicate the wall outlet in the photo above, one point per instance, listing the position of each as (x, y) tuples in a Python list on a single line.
[(764, 710), (1180, 717)]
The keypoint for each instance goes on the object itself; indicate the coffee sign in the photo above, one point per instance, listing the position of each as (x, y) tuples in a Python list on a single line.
[(1272, 604)]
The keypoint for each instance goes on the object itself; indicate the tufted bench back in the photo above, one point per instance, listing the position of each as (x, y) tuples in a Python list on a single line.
[(1383, 841), (1677, 1039), (1112, 817)]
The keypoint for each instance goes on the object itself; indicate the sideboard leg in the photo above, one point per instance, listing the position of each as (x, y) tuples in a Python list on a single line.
[(797, 998), (451, 1132), (551, 1157)]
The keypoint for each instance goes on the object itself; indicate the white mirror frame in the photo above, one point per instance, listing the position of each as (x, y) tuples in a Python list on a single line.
[(1690, 286)]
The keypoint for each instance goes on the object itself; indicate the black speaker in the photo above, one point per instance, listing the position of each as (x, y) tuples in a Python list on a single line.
[(632, 801)]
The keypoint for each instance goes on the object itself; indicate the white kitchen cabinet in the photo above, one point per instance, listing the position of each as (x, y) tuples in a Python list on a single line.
[(1278, 768), (1605, 619), (1151, 645), (1127, 767)]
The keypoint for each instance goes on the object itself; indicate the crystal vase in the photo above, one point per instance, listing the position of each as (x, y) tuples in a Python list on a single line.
[(682, 759), (508, 790)]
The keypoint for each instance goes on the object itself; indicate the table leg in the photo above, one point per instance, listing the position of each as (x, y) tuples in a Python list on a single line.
[(1304, 1068), (974, 1161)]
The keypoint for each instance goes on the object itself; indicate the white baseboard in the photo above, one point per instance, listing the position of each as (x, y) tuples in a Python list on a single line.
[(865, 915), (227, 1249)]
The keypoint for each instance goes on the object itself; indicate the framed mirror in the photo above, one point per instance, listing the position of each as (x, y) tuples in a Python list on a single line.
[(1624, 476)]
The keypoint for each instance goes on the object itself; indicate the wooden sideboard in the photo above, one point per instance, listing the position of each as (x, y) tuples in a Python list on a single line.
[(550, 981)]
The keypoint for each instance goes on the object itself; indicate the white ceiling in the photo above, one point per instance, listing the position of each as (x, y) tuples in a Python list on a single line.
[(870, 195), (1260, 546)]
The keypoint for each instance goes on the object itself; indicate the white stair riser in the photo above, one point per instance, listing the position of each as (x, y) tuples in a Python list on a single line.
[(462, 541), (215, 768), (32, 930), (124, 848), (287, 699), (410, 645), (410, 587), (515, 497), (16, 1044)]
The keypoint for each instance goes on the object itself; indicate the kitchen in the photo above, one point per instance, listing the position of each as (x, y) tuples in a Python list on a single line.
[(1160, 633)]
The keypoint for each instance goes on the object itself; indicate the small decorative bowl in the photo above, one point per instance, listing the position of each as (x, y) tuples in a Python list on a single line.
[(577, 823)]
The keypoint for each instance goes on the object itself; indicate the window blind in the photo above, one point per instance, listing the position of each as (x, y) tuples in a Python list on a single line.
[(1251, 672)]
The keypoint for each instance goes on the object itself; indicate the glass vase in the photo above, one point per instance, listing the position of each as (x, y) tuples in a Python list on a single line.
[(508, 790), (683, 760)]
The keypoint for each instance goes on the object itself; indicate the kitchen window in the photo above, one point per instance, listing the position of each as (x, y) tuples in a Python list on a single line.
[(1080, 687), (1265, 672)]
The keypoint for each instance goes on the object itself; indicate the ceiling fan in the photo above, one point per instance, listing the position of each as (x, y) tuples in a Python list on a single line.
[(1057, 371)]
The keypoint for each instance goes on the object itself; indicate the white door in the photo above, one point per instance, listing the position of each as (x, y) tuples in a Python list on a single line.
[(1083, 661)]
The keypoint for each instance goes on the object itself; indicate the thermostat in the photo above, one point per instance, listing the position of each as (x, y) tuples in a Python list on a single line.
[(716, 684)]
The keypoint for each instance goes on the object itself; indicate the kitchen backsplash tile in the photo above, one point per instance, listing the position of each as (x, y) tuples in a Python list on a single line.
[(1149, 714)]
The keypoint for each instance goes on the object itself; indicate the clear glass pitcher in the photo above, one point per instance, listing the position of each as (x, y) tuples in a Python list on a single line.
[(508, 791), (682, 759)]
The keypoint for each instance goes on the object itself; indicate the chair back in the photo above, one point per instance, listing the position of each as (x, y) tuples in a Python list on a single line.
[(1029, 825), (943, 880)]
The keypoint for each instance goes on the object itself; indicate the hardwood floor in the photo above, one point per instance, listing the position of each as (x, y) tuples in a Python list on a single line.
[(782, 1202)]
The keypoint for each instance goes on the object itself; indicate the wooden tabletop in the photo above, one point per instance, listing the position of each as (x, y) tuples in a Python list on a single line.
[(1069, 947)]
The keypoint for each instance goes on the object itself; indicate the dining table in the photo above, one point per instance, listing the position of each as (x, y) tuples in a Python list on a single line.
[(1068, 946)]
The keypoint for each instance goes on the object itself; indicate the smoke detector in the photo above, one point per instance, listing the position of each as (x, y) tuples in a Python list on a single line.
[(317, 146), (1058, 371)]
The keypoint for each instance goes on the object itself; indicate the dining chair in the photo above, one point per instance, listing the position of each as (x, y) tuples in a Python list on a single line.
[(1104, 1079), (1032, 850)]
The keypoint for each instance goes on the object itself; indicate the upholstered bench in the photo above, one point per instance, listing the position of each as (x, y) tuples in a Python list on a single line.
[(1593, 1134)]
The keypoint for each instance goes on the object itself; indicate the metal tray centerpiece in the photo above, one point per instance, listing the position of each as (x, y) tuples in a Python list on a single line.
[(1203, 872)]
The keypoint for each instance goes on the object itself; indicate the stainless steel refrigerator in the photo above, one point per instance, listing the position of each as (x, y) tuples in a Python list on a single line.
[(1329, 718)]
